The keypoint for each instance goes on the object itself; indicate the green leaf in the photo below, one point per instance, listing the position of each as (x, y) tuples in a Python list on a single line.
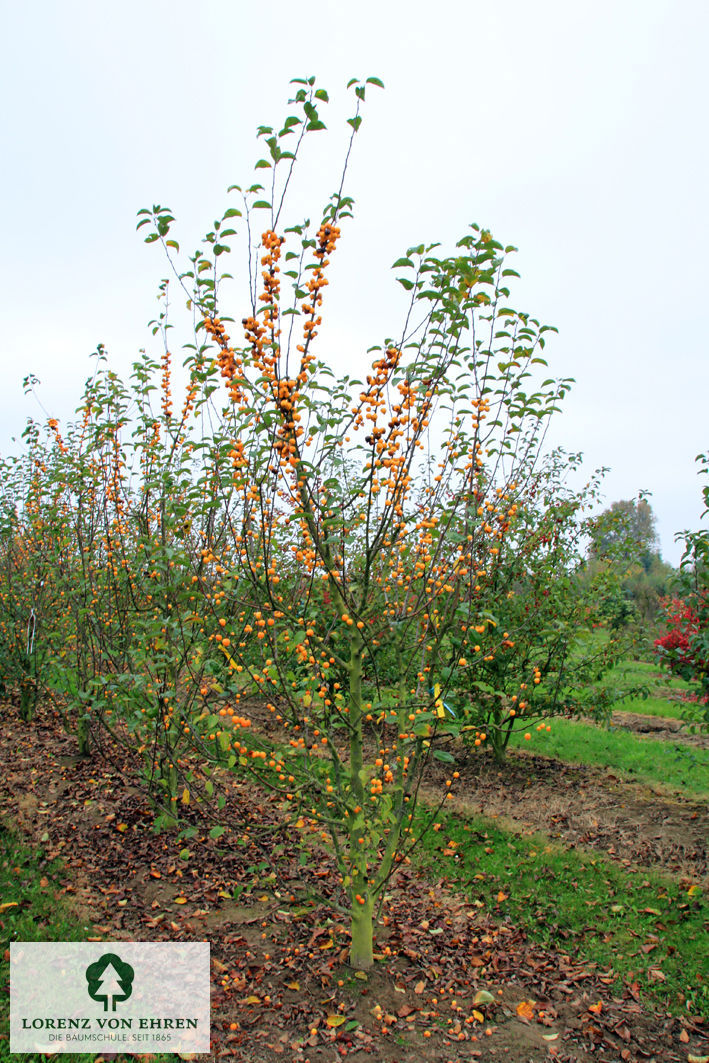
[(261, 204), (402, 263), (375, 81), (216, 832), (443, 756)]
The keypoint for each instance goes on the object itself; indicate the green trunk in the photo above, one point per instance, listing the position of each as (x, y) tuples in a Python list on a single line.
[(83, 729), (355, 720), (361, 949), (499, 735), (27, 698), (361, 913), (499, 748)]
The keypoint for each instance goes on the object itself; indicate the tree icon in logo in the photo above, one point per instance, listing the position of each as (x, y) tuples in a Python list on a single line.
[(110, 980)]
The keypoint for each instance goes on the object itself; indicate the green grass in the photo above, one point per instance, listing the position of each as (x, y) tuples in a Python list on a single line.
[(652, 706), (660, 686), (650, 760), (647, 672), (39, 916), (582, 903)]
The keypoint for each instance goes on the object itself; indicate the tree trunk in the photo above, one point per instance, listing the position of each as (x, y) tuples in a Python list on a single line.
[(28, 696), (362, 929), (83, 729), (362, 904)]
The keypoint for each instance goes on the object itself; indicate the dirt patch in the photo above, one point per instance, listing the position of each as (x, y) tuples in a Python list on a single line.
[(582, 805), (661, 727)]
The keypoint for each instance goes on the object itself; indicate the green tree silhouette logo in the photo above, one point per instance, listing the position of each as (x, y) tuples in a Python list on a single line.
[(110, 980)]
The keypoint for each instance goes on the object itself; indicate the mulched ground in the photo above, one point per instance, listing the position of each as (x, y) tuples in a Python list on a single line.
[(281, 983)]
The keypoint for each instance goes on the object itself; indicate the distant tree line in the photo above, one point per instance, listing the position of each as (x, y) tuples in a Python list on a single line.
[(626, 531)]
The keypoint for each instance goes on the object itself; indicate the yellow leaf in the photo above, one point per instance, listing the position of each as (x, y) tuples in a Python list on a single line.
[(180, 900), (252, 1000), (8, 904), (230, 659), (525, 1010), (293, 985), (185, 796), (501, 897), (335, 1020), (693, 889), (122, 827), (361, 975), (478, 1015)]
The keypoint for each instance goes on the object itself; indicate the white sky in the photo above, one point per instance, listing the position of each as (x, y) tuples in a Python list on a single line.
[(576, 131)]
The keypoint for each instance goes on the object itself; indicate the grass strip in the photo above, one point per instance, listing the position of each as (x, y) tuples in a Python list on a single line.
[(645, 927), (30, 882), (650, 760), (652, 706), (663, 689)]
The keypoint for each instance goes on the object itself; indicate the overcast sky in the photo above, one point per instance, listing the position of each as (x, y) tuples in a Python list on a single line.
[(576, 131)]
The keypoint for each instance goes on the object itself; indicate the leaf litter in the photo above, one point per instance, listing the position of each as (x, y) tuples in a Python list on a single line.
[(450, 982)]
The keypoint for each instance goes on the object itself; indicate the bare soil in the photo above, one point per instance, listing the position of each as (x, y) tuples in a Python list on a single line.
[(664, 728), (583, 805)]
